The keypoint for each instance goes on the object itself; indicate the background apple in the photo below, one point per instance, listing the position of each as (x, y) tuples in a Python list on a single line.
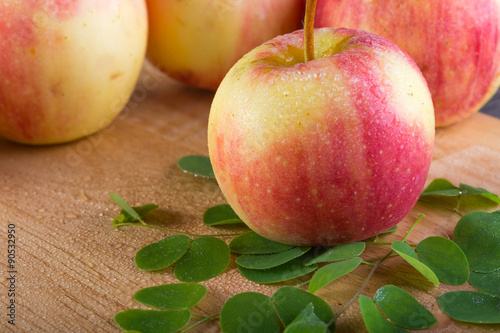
[(322, 152), (67, 67), (456, 44), (197, 41)]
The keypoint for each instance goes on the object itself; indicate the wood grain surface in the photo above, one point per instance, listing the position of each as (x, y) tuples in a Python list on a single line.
[(73, 272)]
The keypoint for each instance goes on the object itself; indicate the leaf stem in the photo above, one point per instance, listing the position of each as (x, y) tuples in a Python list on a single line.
[(374, 268), (199, 322), (413, 226), (309, 30)]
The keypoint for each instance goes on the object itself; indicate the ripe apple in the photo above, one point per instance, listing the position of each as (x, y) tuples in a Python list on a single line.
[(328, 151), (197, 41), (67, 67), (455, 43)]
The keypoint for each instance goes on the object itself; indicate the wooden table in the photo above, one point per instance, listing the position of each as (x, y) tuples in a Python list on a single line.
[(73, 272)]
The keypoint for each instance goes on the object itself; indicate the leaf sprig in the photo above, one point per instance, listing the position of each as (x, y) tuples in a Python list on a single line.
[(438, 259)]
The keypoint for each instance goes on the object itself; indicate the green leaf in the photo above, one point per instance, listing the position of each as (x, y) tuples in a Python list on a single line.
[(441, 186), (340, 252), (125, 206), (471, 306), (248, 312), (265, 261), (288, 271), (469, 190), (252, 243), (197, 165), (478, 235), (408, 254), (306, 322), (175, 296), (163, 253), (152, 321), (140, 210), (289, 302), (388, 231), (375, 322), (206, 258), (445, 258), (486, 282), (402, 308), (220, 215), (329, 273)]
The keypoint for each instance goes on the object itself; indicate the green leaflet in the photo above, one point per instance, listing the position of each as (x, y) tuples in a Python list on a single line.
[(477, 234), (163, 253), (265, 261), (402, 308), (252, 243), (197, 165), (375, 322), (288, 271), (329, 273), (306, 322), (486, 282), (471, 306), (289, 302), (206, 258), (340, 252), (408, 254), (445, 258), (444, 187), (220, 215), (175, 296), (152, 321), (248, 312)]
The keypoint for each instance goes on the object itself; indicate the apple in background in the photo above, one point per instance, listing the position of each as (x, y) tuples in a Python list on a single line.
[(333, 150), (197, 41), (67, 67), (455, 43)]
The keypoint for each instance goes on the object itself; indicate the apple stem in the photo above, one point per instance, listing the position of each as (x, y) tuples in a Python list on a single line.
[(309, 30)]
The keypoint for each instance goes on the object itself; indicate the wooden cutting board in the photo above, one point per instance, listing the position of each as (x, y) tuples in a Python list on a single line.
[(73, 272)]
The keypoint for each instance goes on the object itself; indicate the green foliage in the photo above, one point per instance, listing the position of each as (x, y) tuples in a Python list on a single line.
[(197, 165), (477, 234), (340, 252), (331, 272), (445, 259), (402, 308), (130, 214), (206, 258), (265, 261), (248, 312), (287, 271), (152, 321), (488, 283), (220, 215), (471, 306), (375, 322), (306, 322), (289, 302), (253, 243), (408, 254), (163, 253), (175, 296)]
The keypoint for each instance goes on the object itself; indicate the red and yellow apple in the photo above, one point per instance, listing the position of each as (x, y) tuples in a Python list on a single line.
[(327, 151), (455, 43), (197, 41), (67, 67)]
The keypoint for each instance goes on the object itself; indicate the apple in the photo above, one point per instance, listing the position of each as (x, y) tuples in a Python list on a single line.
[(197, 41), (326, 151), (67, 67), (455, 43)]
